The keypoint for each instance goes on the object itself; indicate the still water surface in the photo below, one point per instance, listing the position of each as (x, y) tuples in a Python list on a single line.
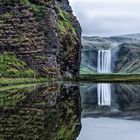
[(70, 111)]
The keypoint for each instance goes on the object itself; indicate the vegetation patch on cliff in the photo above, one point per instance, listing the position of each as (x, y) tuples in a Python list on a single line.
[(65, 27), (37, 8), (64, 24), (68, 42), (10, 66)]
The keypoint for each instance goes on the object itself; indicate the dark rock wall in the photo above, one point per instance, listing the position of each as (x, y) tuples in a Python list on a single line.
[(30, 29), (128, 58), (70, 40), (90, 57)]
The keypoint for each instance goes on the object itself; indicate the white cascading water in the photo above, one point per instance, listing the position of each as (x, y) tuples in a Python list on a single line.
[(104, 66), (104, 94), (104, 61)]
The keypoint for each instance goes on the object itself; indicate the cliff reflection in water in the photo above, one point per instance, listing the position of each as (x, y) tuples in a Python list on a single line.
[(49, 111)]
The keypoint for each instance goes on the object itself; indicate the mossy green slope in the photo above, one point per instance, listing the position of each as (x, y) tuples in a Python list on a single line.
[(10, 66)]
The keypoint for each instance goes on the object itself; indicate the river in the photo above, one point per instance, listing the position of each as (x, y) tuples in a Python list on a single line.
[(70, 111)]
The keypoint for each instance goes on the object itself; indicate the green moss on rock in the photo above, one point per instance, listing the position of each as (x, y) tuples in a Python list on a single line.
[(37, 8), (64, 24), (69, 42), (10, 66)]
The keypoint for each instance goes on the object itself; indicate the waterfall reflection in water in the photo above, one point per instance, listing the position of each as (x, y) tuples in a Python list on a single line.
[(104, 94), (110, 112)]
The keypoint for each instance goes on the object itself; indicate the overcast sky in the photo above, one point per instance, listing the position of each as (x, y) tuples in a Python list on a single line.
[(107, 17)]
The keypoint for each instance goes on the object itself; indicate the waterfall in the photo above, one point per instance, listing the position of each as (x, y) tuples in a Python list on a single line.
[(104, 94), (104, 61)]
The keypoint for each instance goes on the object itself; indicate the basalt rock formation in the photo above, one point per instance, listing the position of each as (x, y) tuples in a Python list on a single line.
[(38, 38)]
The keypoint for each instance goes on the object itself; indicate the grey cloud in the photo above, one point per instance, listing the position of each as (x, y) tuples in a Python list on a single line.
[(107, 20)]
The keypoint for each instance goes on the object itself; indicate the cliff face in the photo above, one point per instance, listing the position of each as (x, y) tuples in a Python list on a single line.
[(128, 58), (43, 35)]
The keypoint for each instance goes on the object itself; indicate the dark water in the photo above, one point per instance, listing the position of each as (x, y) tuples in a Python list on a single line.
[(68, 111)]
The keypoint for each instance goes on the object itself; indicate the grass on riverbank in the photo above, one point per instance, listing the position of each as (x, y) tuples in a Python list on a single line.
[(85, 78), (110, 77), (15, 81)]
